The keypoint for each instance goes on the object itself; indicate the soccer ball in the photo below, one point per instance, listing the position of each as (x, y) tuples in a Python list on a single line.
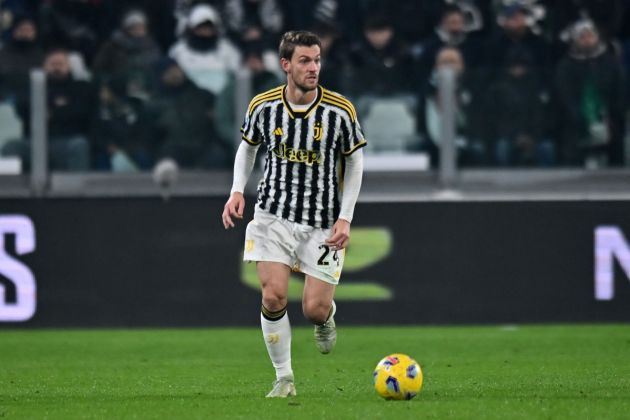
[(397, 377)]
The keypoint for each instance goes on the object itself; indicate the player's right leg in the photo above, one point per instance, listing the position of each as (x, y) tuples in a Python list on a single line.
[(274, 320), (270, 243)]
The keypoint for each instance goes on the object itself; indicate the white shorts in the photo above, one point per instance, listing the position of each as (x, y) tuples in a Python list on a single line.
[(301, 247)]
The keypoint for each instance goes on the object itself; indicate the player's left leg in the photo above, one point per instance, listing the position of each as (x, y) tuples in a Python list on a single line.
[(318, 307), (317, 301), (322, 267)]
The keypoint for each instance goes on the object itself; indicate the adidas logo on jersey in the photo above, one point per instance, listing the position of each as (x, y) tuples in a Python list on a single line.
[(278, 132)]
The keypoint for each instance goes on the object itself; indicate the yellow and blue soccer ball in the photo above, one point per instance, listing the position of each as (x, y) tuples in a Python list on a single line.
[(397, 377)]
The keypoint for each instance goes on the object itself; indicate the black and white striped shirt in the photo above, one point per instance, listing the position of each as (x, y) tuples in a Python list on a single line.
[(304, 153)]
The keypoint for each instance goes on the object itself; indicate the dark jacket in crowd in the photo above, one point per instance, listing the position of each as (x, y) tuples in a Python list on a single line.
[(131, 58), (16, 61), (185, 124), (70, 106), (380, 72), (76, 25), (334, 72), (591, 88), (125, 54), (500, 46), (121, 123), (518, 106)]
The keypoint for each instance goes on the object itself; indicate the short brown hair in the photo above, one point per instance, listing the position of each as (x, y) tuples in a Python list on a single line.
[(293, 39)]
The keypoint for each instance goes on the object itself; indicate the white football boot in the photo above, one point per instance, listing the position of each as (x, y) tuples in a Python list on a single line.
[(326, 334), (282, 388)]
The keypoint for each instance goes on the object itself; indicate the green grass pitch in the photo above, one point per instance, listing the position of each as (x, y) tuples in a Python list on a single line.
[(525, 372)]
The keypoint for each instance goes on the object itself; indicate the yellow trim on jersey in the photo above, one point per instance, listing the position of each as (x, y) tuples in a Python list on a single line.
[(335, 101), (339, 105), (335, 96), (287, 107), (267, 93), (356, 146), (316, 104), (339, 97), (264, 97), (260, 101), (310, 109), (346, 103), (250, 141)]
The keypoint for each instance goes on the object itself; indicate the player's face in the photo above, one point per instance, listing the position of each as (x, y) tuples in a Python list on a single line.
[(303, 68)]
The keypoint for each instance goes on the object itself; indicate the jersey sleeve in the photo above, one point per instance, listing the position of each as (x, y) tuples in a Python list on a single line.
[(353, 138), (249, 130)]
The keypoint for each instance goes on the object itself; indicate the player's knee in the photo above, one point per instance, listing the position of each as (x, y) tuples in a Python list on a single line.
[(316, 311), (273, 300)]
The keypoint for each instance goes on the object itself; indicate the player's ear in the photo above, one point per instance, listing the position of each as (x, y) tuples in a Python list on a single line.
[(285, 64)]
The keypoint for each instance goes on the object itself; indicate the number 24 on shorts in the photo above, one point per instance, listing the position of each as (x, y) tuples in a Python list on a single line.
[(326, 251)]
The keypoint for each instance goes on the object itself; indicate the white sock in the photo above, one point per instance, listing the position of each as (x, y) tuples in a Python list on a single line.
[(277, 336)]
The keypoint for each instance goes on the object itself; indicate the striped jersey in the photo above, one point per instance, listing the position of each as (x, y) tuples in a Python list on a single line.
[(304, 157)]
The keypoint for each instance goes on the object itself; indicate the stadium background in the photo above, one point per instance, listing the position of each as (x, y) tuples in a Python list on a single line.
[(523, 221), (147, 263), (151, 84)]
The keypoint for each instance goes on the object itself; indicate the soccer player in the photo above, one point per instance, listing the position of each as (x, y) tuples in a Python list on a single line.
[(313, 145)]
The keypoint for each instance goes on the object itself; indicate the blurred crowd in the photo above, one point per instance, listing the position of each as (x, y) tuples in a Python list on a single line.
[(538, 83)]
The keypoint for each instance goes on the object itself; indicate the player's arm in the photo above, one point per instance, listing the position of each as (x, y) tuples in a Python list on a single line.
[(243, 166), (351, 186)]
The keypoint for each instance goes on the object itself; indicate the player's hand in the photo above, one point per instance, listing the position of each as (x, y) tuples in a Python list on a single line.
[(233, 208), (340, 235)]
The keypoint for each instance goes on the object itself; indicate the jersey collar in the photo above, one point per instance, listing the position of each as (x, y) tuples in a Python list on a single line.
[(309, 110)]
